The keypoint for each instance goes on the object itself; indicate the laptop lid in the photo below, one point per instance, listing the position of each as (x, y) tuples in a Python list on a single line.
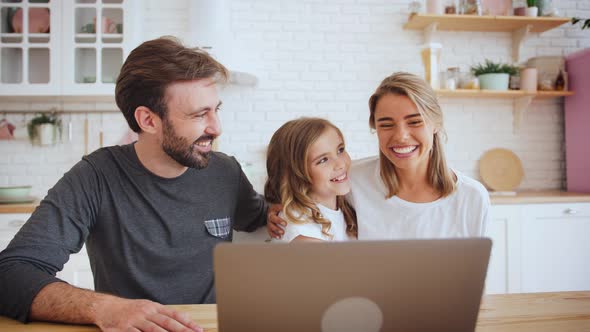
[(407, 285)]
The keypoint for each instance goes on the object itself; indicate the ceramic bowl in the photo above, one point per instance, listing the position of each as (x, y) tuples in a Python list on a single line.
[(15, 192)]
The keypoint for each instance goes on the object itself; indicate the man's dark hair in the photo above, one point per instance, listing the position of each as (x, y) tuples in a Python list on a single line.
[(152, 67)]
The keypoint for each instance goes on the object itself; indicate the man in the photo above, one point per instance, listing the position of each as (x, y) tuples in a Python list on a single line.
[(150, 213)]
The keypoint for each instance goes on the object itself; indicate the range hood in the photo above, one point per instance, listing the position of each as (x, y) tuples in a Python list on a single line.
[(210, 22)]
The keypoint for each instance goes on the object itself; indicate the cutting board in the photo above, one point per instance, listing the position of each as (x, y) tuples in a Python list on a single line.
[(501, 170)]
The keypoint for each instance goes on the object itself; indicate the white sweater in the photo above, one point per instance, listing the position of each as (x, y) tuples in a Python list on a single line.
[(464, 213)]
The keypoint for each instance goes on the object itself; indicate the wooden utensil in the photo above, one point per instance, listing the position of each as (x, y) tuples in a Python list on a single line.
[(501, 170)]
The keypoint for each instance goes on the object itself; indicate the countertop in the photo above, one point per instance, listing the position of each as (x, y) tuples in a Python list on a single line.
[(539, 312), (524, 197)]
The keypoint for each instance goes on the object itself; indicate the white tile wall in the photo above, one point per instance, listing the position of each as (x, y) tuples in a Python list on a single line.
[(324, 58)]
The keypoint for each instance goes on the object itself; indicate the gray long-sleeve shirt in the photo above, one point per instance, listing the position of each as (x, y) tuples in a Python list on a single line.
[(147, 237)]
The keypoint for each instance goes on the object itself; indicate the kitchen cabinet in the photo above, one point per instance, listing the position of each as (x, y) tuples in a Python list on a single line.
[(496, 279), (539, 248), (80, 55), (554, 248), (76, 271)]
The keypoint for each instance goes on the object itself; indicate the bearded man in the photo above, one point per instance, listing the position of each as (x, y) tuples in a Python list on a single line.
[(149, 212)]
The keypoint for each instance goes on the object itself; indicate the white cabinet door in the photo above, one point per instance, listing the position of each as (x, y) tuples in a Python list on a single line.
[(76, 271), (555, 247), (10, 223), (496, 279)]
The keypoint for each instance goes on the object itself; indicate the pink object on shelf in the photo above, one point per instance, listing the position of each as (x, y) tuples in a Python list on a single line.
[(497, 7), (577, 122), (39, 20)]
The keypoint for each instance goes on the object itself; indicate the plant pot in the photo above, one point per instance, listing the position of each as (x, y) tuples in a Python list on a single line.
[(494, 81), (46, 134), (532, 11)]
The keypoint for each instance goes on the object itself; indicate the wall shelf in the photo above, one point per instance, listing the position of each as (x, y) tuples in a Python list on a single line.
[(520, 26), (484, 23), (471, 93), (521, 99)]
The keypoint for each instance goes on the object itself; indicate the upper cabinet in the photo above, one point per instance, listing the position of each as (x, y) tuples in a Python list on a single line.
[(67, 47)]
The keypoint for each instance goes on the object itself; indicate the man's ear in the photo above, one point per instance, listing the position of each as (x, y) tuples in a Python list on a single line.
[(147, 120)]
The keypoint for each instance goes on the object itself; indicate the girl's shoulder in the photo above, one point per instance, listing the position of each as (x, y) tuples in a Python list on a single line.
[(469, 187)]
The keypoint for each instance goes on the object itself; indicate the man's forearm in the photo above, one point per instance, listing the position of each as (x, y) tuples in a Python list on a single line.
[(62, 302)]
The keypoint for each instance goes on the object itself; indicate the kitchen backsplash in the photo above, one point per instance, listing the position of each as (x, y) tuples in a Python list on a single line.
[(324, 58)]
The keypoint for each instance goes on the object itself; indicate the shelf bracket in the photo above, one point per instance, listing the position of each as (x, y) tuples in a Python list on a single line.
[(521, 105), (430, 31), (518, 37)]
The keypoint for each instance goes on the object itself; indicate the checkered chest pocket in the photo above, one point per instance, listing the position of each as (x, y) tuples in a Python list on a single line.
[(220, 228)]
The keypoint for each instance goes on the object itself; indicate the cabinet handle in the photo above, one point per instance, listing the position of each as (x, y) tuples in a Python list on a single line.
[(570, 211)]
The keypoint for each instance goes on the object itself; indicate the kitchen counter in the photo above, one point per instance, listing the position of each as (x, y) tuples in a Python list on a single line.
[(539, 312), (524, 197), (536, 197), (19, 208)]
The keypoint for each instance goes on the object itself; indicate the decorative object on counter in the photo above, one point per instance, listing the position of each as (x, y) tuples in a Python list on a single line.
[(494, 76), (497, 7), (15, 194), (471, 7), (528, 79), (520, 11), (44, 129), (501, 170), (434, 7), (39, 20), (586, 23), (6, 130), (88, 28), (532, 10), (560, 81), (431, 60)]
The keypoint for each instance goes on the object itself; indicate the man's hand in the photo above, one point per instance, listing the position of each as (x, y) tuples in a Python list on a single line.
[(117, 314), (274, 224)]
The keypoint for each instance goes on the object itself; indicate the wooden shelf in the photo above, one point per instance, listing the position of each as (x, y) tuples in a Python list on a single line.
[(484, 23), (473, 93)]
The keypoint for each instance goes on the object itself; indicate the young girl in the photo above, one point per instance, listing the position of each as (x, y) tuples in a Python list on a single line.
[(307, 167), (409, 191)]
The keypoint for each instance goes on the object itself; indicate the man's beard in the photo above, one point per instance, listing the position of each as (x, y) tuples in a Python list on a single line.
[(182, 151)]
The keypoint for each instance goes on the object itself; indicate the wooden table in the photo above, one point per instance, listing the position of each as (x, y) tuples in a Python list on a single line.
[(539, 312)]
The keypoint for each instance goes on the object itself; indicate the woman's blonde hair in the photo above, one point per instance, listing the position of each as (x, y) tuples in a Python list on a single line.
[(422, 95), (289, 180)]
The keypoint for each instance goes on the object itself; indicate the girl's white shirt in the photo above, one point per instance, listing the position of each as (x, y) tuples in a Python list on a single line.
[(464, 213), (311, 229)]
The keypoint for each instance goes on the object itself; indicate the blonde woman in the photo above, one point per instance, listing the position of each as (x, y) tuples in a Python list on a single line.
[(409, 191), (307, 167)]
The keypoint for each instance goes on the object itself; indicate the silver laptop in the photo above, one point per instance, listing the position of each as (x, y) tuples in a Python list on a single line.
[(409, 285)]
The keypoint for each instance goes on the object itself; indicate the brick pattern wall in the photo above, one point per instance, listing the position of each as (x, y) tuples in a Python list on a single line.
[(324, 58)]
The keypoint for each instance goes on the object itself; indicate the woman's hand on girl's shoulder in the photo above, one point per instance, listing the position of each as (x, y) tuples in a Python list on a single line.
[(274, 223)]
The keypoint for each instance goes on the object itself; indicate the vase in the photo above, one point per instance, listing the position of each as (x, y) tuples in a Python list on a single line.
[(46, 134), (532, 11), (494, 81), (528, 79)]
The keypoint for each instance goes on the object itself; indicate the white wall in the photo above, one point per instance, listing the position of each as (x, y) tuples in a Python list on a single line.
[(324, 58)]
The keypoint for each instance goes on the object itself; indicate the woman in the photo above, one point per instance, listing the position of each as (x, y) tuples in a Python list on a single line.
[(409, 191)]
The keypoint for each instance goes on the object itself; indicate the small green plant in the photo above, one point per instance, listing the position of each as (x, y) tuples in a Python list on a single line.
[(531, 3), (490, 67), (586, 23), (42, 118)]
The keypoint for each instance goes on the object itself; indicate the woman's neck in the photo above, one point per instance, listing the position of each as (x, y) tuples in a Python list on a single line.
[(414, 186)]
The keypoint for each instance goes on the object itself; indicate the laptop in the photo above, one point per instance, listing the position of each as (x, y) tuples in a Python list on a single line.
[(406, 285)]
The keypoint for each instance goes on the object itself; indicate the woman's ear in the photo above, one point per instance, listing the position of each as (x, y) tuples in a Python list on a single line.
[(147, 120)]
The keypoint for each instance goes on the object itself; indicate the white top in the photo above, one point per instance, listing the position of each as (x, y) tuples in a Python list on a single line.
[(464, 213), (314, 230)]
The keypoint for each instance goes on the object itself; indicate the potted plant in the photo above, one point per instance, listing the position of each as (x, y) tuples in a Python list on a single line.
[(532, 9), (494, 76), (44, 128)]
